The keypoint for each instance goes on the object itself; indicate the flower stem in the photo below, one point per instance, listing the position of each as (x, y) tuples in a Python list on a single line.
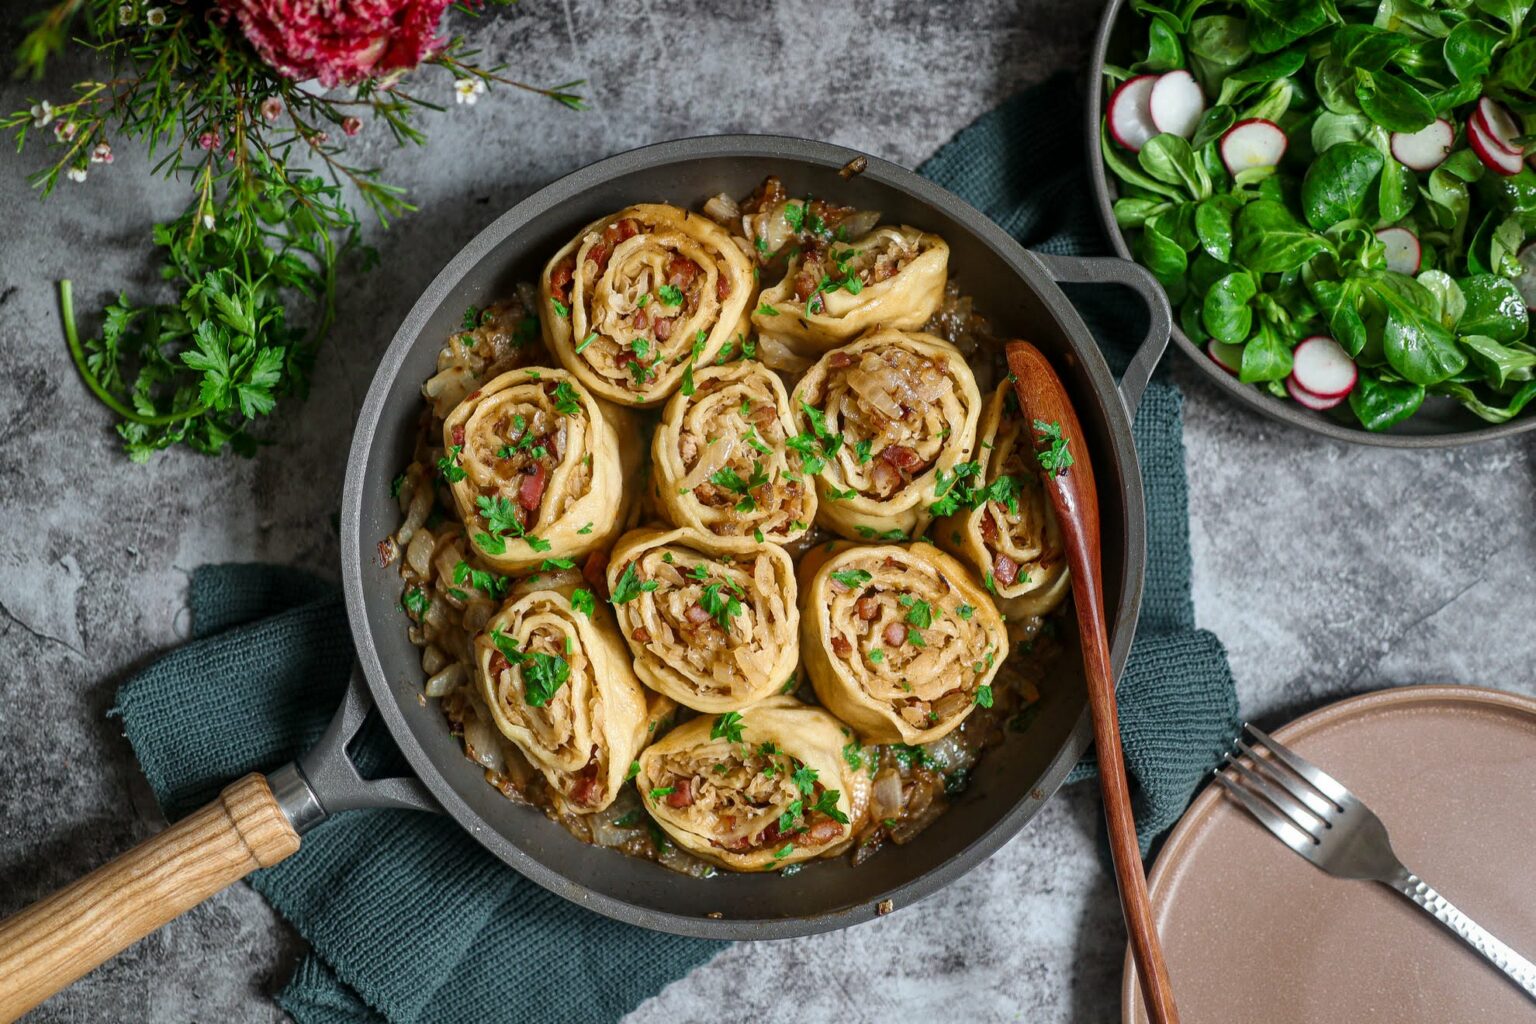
[(111, 401)]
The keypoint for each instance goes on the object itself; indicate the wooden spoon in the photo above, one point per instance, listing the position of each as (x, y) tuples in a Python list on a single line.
[(1045, 407)]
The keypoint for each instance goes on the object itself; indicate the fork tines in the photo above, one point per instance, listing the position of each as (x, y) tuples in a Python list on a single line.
[(1293, 798)]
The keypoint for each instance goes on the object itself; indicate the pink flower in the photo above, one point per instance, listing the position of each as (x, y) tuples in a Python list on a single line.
[(340, 42), (65, 131), (208, 140), (271, 108), (102, 154), (350, 126)]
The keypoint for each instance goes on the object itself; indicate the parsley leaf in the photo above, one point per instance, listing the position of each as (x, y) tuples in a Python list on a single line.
[(804, 779), (449, 466), (728, 726), (853, 579), (1054, 457), (416, 601), (670, 295), (565, 398), (583, 601), (984, 696), (629, 586)]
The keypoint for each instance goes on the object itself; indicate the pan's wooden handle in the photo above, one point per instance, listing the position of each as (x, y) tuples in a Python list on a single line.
[(53, 942)]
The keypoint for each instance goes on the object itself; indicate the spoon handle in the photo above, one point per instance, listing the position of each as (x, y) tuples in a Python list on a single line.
[(1058, 436)]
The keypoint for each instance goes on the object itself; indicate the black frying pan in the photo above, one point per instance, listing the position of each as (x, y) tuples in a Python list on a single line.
[(1019, 292)]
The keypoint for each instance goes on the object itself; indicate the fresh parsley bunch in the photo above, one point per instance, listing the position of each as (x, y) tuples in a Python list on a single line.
[(213, 93)]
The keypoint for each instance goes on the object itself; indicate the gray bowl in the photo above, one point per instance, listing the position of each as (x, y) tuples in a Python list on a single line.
[(1016, 288), (1441, 422)]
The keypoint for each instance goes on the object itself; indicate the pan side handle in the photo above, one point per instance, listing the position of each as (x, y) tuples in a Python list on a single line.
[(65, 936), (325, 780), (1113, 270)]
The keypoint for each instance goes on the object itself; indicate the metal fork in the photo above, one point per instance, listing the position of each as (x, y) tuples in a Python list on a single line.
[(1313, 814)]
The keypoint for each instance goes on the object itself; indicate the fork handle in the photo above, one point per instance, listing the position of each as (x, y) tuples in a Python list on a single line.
[(1520, 970)]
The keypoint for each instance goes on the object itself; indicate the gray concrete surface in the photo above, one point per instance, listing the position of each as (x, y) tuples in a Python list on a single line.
[(1327, 569)]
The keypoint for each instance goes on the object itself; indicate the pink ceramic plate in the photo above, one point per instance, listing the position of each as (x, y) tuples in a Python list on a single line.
[(1254, 933)]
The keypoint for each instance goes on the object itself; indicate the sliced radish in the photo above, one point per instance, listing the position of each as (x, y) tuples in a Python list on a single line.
[(1404, 253), (1228, 357), (1494, 157), (1308, 399), (1252, 143), (1130, 112), (1176, 103), (1526, 282), (1500, 127), (1425, 149), (1322, 368)]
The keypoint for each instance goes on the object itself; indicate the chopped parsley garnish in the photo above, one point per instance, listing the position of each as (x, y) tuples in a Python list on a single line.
[(804, 779), (827, 804), (876, 656), (561, 309), (553, 564), (870, 533), (915, 638), (728, 479), (416, 601), (585, 529), (581, 346), (471, 318), (764, 309), (791, 815), (658, 793), (628, 819), (830, 442), (1054, 457), (486, 582), (790, 684), (728, 727), (853, 753), (853, 579), (861, 451), (670, 295), (449, 466), (757, 535), (566, 401), (583, 601), (784, 851), (833, 494), (395, 485), (634, 769), (965, 612), (948, 493), (542, 674), (723, 608), (919, 612), (984, 696), (629, 586)]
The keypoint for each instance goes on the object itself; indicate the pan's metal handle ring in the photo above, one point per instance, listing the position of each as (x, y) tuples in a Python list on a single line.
[(324, 781), (1113, 270)]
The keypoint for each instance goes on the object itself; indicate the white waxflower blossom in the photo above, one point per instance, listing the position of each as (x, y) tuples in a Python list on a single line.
[(468, 90), (75, 174), (65, 131), (154, 17), (102, 153), (125, 14), (208, 221), (42, 114)]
